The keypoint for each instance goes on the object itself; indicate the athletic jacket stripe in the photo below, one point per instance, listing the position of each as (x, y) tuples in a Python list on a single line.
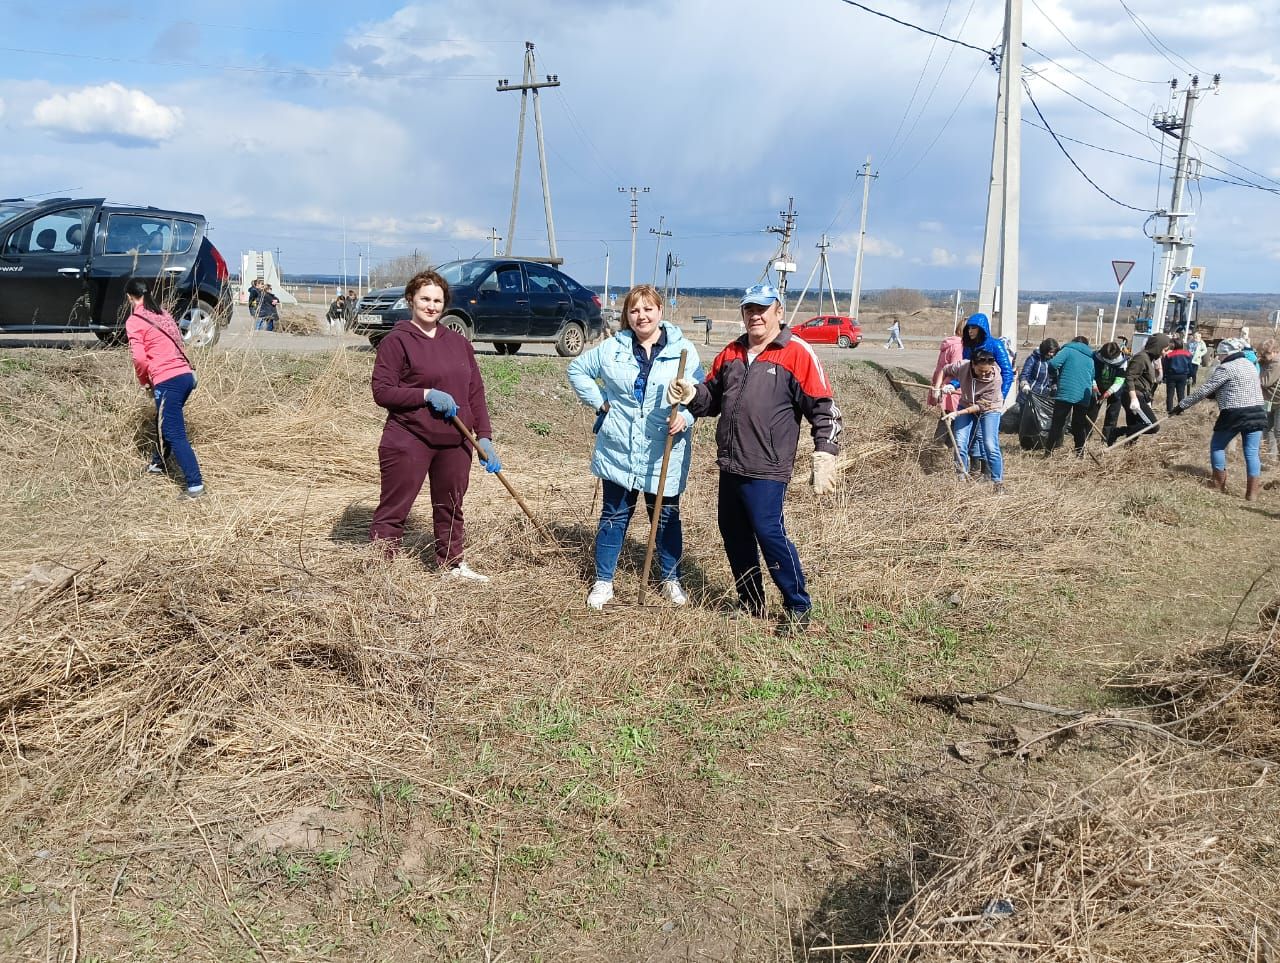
[(761, 405)]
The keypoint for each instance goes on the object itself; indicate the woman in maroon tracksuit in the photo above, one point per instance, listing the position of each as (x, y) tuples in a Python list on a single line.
[(424, 375)]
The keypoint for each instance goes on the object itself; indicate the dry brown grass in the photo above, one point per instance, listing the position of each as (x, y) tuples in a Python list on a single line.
[(453, 764)]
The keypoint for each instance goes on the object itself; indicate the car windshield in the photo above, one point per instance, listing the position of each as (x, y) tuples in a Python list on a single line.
[(463, 273), (10, 210)]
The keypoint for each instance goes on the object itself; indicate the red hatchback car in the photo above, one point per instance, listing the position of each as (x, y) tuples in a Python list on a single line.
[(830, 329)]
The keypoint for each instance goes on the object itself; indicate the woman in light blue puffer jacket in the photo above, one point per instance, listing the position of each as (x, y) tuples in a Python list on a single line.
[(624, 380)]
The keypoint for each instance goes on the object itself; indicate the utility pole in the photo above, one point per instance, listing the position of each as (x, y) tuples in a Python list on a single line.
[(527, 85), (855, 297), (1175, 242), (676, 265), (635, 223), (784, 265), (822, 268), (658, 246), (1001, 237), (495, 238), (606, 272)]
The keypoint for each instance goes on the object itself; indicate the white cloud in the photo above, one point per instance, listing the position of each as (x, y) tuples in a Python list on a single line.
[(941, 257), (109, 112), (874, 246)]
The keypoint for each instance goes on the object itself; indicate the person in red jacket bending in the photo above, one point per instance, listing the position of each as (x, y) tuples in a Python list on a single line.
[(424, 375), (761, 385)]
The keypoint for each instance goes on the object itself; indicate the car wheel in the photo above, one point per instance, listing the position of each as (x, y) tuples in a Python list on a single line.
[(457, 325), (844, 341), (199, 324), (573, 338), (113, 338)]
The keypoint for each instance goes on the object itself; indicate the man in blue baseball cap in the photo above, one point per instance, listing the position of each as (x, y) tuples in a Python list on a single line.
[(763, 383)]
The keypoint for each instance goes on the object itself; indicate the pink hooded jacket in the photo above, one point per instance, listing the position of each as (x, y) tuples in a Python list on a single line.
[(154, 342), (952, 350)]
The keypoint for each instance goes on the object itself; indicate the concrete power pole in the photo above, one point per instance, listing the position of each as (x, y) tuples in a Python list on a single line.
[(495, 238), (784, 265), (855, 297), (527, 85), (635, 223), (1175, 242), (1001, 239), (658, 246)]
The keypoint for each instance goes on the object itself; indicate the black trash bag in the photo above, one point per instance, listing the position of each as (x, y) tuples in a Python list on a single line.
[(1011, 420), (1037, 417)]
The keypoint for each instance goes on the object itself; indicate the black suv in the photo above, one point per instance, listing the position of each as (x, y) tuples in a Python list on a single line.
[(64, 264), (507, 301)]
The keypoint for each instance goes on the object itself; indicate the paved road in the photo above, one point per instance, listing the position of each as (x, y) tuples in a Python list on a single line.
[(919, 356)]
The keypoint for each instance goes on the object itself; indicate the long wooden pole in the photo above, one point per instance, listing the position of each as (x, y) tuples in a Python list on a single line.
[(662, 484), (1142, 431), (475, 443)]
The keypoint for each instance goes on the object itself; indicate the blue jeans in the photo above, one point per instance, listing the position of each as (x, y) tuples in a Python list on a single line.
[(1251, 441), (615, 516), (988, 439), (750, 515), (170, 396)]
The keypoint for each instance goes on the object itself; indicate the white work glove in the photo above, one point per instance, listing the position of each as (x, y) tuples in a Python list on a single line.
[(681, 391), (1026, 388), (1134, 404), (824, 472)]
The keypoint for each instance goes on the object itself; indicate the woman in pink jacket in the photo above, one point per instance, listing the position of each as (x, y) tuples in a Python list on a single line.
[(951, 351), (162, 368)]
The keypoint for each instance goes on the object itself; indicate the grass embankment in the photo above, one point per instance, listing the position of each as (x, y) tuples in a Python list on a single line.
[(232, 732)]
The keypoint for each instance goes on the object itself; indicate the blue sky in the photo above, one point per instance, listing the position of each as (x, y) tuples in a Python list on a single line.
[(283, 122)]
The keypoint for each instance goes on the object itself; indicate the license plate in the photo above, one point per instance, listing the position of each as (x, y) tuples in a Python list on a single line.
[(369, 318)]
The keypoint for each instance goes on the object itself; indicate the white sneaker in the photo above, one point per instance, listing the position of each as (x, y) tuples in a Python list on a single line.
[(464, 571), (601, 592), (674, 592)]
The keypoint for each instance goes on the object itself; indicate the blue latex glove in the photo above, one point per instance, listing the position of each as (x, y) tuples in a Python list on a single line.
[(441, 402), (490, 455)]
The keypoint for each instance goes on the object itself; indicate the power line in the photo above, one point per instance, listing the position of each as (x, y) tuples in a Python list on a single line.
[(924, 69), (1154, 163), (1062, 147), (1158, 45), (581, 131), (945, 124), (1085, 53), (1106, 93), (1239, 181), (916, 27), (934, 89)]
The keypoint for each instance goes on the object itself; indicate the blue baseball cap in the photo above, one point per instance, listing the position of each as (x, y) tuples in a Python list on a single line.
[(761, 294)]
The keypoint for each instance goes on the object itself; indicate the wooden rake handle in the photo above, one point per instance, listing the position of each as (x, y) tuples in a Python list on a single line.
[(475, 443), (662, 484)]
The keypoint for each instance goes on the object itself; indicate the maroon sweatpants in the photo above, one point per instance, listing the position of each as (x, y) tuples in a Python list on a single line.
[(406, 462)]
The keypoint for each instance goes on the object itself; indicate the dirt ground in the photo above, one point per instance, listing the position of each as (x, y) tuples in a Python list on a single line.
[(232, 732)]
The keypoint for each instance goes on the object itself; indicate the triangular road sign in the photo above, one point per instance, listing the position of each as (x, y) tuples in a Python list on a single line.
[(1122, 269)]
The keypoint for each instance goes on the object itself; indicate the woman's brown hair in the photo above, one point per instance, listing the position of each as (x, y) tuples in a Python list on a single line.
[(421, 280)]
